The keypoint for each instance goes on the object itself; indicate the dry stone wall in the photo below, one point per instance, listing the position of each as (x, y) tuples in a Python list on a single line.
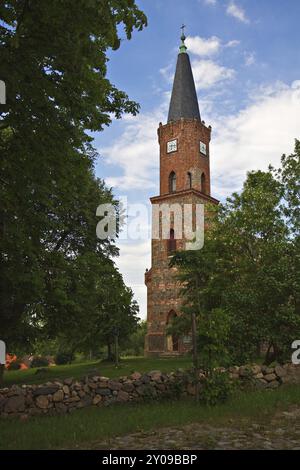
[(60, 397)]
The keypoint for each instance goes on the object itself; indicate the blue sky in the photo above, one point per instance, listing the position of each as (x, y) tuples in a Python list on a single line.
[(246, 62)]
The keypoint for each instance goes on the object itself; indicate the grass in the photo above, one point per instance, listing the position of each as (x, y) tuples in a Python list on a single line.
[(84, 428), (79, 370)]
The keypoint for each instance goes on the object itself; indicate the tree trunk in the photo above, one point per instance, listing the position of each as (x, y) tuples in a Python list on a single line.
[(271, 356), (195, 354), (116, 351), (110, 355)]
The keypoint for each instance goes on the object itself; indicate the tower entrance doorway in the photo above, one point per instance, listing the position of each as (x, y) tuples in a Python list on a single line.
[(173, 339)]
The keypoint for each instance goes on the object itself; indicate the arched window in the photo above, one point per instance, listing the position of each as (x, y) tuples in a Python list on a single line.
[(203, 183), (189, 180), (172, 182), (172, 242)]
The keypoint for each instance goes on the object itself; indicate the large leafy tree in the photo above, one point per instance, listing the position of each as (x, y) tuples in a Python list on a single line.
[(54, 64), (249, 268)]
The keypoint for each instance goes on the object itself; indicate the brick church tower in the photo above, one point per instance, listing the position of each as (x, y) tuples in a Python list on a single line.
[(184, 179)]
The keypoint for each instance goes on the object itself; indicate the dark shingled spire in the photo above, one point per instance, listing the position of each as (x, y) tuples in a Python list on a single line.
[(184, 101)]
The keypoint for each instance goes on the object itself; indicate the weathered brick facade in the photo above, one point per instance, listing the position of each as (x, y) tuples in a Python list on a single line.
[(162, 286), (184, 179)]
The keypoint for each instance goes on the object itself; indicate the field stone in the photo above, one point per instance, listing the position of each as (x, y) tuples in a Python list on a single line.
[(15, 391), (270, 377), (161, 387), (97, 399), (66, 390), (267, 370), (273, 384), (136, 376), (15, 404), (73, 399), (85, 401), (233, 376), (145, 379), (58, 396), (48, 390), (123, 396), (256, 369), (128, 387), (68, 381), (114, 385), (260, 375), (93, 385), (42, 402), (245, 371), (101, 384), (104, 392), (280, 371), (141, 390)]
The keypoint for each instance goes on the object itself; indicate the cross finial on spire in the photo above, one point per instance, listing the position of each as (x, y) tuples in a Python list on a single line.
[(183, 47)]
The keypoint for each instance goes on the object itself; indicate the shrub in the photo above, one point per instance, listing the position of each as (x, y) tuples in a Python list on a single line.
[(215, 389), (14, 365), (39, 361), (63, 358)]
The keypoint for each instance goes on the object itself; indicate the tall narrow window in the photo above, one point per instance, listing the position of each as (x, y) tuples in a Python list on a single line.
[(189, 180), (172, 242), (203, 183), (172, 182)]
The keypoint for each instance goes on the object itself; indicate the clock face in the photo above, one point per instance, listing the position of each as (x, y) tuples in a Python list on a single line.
[(172, 146), (203, 148)]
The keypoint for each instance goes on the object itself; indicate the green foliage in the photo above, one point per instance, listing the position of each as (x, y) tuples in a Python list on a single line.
[(53, 268), (244, 285), (215, 389), (39, 361), (64, 357), (134, 346), (213, 332)]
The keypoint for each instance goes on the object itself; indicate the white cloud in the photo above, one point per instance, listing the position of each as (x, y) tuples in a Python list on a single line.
[(255, 137), (133, 260), (208, 73), (207, 47), (203, 47), (249, 58), (237, 12), (210, 2), (135, 152), (232, 43)]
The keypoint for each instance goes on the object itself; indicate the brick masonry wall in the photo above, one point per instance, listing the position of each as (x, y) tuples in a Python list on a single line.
[(187, 158), (61, 397), (162, 286)]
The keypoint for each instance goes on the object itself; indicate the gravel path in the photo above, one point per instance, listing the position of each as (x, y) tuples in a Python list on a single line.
[(282, 431)]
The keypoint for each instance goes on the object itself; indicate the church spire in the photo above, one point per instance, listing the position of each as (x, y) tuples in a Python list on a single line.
[(184, 101)]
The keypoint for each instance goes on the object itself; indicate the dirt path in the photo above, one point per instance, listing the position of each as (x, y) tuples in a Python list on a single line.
[(282, 431)]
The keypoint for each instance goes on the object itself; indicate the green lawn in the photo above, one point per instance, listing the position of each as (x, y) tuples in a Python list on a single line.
[(84, 428), (79, 370)]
